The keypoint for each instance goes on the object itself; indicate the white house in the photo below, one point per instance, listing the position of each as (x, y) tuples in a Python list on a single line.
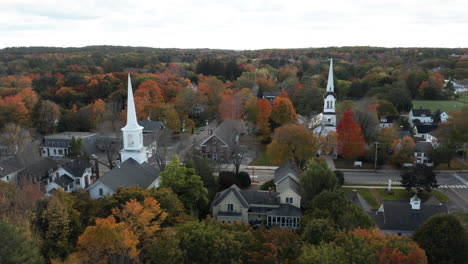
[(70, 176), (9, 170), (387, 121), (443, 117), (422, 151), (57, 145), (280, 208), (423, 115), (134, 169)]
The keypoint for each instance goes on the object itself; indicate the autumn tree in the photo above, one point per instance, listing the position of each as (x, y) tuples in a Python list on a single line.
[(47, 116), (403, 151), (229, 108), (263, 116), (18, 141), (171, 117), (165, 248), (283, 111), (29, 97), (350, 140), (13, 109), (186, 184), (292, 141), (213, 89), (443, 238), (92, 114), (107, 242)]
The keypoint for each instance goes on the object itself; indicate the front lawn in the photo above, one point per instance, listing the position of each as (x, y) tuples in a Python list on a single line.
[(444, 106), (454, 165), (366, 194), (262, 158), (349, 164), (400, 194)]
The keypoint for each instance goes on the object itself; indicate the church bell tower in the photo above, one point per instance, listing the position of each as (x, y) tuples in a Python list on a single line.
[(132, 133), (329, 113)]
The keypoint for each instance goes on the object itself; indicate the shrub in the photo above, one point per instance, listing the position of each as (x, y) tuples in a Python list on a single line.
[(244, 179)]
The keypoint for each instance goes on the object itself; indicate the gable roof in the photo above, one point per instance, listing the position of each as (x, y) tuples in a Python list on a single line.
[(286, 168), (41, 166), (398, 215), (261, 197), (228, 132), (63, 180), (404, 133), (286, 210), (423, 129), (76, 167), (219, 197), (151, 126), (420, 112), (423, 146), (9, 166), (129, 173)]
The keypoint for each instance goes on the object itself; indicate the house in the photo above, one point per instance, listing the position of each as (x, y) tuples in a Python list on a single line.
[(387, 121), (422, 151), (426, 132), (423, 115), (270, 96), (134, 169), (57, 145), (403, 217), (280, 208), (9, 170), (126, 174), (71, 176), (40, 172), (218, 145), (444, 117)]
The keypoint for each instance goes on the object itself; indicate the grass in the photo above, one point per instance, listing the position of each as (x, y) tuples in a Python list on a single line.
[(367, 195), (262, 158), (444, 106), (349, 164), (454, 165), (399, 194)]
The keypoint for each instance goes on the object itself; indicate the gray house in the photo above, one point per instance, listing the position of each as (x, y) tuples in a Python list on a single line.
[(9, 170), (57, 145), (281, 208)]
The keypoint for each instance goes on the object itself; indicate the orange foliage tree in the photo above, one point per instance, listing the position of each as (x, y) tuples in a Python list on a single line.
[(92, 114), (283, 111), (29, 97), (403, 150), (13, 109), (263, 116), (229, 108), (147, 98), (351, 142)]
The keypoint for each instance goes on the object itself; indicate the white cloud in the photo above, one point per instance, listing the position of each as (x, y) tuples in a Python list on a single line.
[(243, 24)]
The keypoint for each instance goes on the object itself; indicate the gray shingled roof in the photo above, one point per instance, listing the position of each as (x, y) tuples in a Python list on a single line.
[(420, 112), (76, 167), (261, 197), (63, 180), (219, 197), (404, 133), (286, 168), (130, 173), (42, 166), (151, 126), (423, 146), (286, 210), (424, 128), (398, 215), (9, 166)]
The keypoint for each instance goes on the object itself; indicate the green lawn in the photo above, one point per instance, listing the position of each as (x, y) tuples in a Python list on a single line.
[(262, 158), (444, 106), (400, 194), (349, 164), (454, 165), (366, 194)]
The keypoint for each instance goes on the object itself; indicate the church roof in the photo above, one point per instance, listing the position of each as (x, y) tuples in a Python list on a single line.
[(330, 86), (132, 123), (130, 173)]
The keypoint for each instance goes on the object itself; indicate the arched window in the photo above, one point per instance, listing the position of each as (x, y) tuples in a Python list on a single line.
[(130, 142)]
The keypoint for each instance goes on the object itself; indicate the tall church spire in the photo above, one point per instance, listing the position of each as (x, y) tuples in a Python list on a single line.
[(131, 113), (330, 87), (132, 133)]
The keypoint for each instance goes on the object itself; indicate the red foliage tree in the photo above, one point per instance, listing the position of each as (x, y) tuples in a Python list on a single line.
[(229, 108), (263, 115), (351, 142)]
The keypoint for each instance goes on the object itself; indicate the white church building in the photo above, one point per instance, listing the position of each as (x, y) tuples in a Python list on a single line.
[(134, 169)]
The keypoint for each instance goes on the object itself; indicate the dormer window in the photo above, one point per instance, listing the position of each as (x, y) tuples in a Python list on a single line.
[(230, 207), (289, 200)]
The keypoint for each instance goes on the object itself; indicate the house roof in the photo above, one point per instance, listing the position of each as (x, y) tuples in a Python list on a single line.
[(398, 215), (41, 166), (70, 135), (151, 126), (270, 94), (261, 197), (286, 210), (388, 119), (63, 180), (420, 112), (423, 146), (130, 173), (285, 169), (219, 197), (9, 166), (405, 133), (76, 167), (423, 129), (228, 132)]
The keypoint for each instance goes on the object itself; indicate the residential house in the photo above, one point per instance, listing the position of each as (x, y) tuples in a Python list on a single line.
[(134, 169), (270, 96), (444, 117), (71, 176), (281, 208), (9, 170), (426, 132), (403, 217), (129, 173), (57, 145), (40, 172), (387, 121), (219, 144), (151, 126), (423, 115), (422, 151)]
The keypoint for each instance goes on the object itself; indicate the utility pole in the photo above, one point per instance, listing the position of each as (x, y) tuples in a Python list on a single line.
[(375, 162)]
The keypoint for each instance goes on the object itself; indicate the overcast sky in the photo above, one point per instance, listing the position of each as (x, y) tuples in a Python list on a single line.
[(231, 24)]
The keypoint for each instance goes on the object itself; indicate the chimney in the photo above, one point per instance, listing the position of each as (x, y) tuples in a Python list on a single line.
[(415, 202), (210, 132)]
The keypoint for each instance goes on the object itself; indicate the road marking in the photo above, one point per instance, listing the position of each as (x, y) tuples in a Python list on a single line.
[(461, 196), (460, 179)]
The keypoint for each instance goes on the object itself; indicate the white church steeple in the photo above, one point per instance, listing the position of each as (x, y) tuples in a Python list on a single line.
[(132, 133), (329, 114)]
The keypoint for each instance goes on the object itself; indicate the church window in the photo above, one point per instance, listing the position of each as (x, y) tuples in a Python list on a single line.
[(328, 104), (130, 141), (331, 104)]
